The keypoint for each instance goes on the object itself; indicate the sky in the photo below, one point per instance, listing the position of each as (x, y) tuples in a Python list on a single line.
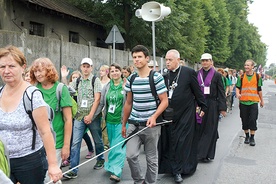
[(262, 14)]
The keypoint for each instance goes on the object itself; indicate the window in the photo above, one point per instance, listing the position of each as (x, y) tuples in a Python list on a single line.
[(36, 29), (73, 37)]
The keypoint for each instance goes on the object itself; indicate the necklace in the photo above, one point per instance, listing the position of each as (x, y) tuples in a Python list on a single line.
[(174, 81)]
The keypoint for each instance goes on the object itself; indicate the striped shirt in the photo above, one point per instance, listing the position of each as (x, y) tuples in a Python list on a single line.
[(144, 104)]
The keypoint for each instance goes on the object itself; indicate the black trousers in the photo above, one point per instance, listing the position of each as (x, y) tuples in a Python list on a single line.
[(249, 116)]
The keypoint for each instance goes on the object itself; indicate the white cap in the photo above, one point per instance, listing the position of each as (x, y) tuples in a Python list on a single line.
[(87, 61), (206, 56), (151, 63)]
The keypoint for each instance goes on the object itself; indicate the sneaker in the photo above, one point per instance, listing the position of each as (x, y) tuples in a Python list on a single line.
[(246, 141), (89, 155), (99, 164), (70, 175), (106, 147), (252, 142), (65, 163), (114, 178)]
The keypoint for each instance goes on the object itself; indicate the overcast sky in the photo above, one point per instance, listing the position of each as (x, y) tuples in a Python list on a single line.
[(263, 15)]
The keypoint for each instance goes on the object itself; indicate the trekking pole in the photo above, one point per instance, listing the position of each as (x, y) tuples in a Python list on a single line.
[(157, 124)]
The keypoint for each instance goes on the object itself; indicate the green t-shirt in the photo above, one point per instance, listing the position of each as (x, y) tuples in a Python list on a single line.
[(114, 99), (65, 101), (238, 85)]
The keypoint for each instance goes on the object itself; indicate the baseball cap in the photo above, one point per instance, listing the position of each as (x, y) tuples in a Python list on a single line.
[(206, 56), (87, 61)]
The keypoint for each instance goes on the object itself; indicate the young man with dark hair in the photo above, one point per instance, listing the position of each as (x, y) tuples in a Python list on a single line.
[(140, 110)]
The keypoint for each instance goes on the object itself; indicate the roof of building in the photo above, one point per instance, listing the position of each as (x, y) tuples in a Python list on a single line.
[(62, 6)]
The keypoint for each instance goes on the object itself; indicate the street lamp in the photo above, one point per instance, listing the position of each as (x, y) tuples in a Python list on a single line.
[(153, 11)]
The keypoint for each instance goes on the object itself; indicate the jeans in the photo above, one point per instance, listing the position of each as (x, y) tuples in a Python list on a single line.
[(79, 129), (88, 142), (29, 169)]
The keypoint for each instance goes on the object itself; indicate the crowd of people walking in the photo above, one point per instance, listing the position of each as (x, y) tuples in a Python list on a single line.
[(120, 103)]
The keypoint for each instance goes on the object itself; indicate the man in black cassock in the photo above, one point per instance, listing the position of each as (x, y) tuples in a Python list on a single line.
[(178, 141), (212, 86)]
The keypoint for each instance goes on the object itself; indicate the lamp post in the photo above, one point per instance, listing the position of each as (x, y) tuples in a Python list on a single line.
[(153, 11)]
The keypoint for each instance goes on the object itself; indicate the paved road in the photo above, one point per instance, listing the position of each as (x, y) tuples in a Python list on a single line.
[(235, 162)]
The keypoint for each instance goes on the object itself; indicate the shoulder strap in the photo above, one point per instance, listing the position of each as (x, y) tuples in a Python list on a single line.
[(132, 78), (58, 95), (77, 83), (28, 106), (152, 87), (92, 83), (241, 80), (257, 77)]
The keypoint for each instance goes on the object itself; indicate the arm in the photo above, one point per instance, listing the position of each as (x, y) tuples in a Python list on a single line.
[(261, 98), (97, 98), (221, 96), (64, 74), (43, 125), (164, 102), (127, 111), (67, 118)]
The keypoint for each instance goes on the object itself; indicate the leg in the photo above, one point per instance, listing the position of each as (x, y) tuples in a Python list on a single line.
[(132, 153), (104, 133), (79, 128), (253, 122), (151, 137), (244, 114), (88, 142), (96, 131)]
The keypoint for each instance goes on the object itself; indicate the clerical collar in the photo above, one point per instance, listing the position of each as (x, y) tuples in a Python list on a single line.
[(176, 69), (206, 70)]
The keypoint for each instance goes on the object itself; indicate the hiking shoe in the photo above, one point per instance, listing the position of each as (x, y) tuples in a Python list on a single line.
[(89, 155), (114, 178), (65, 163), (252, 142), (99, 164), (70, 175), (246, 141)]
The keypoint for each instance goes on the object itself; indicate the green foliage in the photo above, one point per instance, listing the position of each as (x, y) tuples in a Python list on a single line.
[(219, 27)]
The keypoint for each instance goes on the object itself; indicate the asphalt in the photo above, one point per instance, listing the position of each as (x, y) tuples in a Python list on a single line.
[(248, 164), (235, 161)]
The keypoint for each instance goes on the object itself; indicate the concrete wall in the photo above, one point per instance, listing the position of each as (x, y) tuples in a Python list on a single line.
[(59, 51)]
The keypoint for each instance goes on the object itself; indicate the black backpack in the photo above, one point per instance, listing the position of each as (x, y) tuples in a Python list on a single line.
[(168, 112)]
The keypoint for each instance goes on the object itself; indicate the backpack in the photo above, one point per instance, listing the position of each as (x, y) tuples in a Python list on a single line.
[(4, 158), (168, 112), (92, 83), (58, 95), (28, 106)]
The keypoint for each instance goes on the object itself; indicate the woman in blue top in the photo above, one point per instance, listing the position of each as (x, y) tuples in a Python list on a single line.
[(112, 98)]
